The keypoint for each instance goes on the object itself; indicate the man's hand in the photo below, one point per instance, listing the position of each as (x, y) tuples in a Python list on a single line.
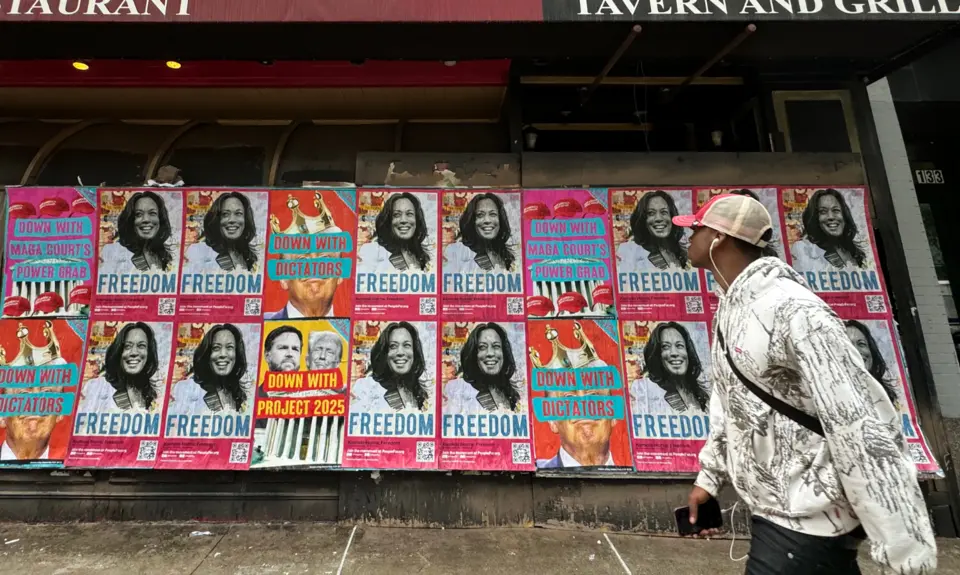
[(699, 496)]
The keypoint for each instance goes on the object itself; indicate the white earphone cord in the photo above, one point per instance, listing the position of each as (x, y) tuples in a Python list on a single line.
[(714, 264), (733, 531)]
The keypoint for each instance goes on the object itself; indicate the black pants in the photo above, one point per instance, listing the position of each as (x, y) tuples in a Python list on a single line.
[(775, 550)]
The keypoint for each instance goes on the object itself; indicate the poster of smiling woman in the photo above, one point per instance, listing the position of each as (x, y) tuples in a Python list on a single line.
[(667, 365), (397, 254), (484, 403), (121, 399), (139, 239), (482, 255), (831, 245), (655, 279), (223, 256), (392, 398), (208, 423)]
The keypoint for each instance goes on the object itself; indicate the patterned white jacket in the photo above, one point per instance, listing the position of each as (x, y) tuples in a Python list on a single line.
[(790, 343)]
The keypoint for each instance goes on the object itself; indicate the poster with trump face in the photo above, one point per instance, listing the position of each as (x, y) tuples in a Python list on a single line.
[(397, 254), (666, 365), (484, 403), (208, 422), (577, 398), (50, 252), (139, 239), (310, 253), (831, 245), (482, 255), (225, 235), (39, 374), (121, 399), (655, 279), (568, 268), (392, 400), (301, 395)]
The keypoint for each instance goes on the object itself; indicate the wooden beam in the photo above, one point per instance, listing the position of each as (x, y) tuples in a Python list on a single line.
[(631, 80), (592, 127)]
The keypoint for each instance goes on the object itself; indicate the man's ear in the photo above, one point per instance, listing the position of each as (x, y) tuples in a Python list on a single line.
[(554, 427), (285, 285), (3, 422)]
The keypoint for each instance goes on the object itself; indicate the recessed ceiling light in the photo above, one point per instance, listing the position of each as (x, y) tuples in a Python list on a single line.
[(174, 65), (81, 65)]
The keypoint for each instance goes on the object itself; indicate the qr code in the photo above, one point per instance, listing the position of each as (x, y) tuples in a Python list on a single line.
[(147, 451), (428, 306), (251, 306), (694, 303), (876, 304), (167, 306), (514, 306), (521, 453), (239, 452), (425, 452), (917, 454)]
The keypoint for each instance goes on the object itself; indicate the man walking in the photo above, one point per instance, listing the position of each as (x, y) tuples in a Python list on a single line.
[(807, 437)]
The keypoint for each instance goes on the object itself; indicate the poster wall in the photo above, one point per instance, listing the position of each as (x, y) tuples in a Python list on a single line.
[(667, 367), (392, 411), (655, 279), (121, 399), (397, 260), (139, 240), (310, 253), (50, 256), (484, 402), (223, 257), (387, 328), (208, 422), (301, 394), (482, 256), (577, 395), (832, 246), (568, 268), (39, 373)]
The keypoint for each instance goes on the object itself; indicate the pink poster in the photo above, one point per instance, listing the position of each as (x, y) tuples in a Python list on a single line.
[(139, 242), (223, 255), (484, 399), (568, 267), (50, 252), (655, 279), (667, 367), (397, 254), (208, 422), (875, 340), (392, 400), (769, 196), (482, 256), (831, 244), (118, 418)]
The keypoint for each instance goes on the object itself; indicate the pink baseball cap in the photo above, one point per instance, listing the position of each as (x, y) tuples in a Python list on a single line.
[(739, 216)]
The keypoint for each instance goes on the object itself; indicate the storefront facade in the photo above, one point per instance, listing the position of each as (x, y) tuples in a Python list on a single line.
[(600, 101)]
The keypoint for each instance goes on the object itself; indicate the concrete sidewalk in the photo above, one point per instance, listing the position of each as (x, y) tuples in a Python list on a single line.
[(289, 549)]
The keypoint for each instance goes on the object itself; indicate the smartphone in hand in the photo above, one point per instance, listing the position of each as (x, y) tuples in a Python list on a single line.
[(708, 517)]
